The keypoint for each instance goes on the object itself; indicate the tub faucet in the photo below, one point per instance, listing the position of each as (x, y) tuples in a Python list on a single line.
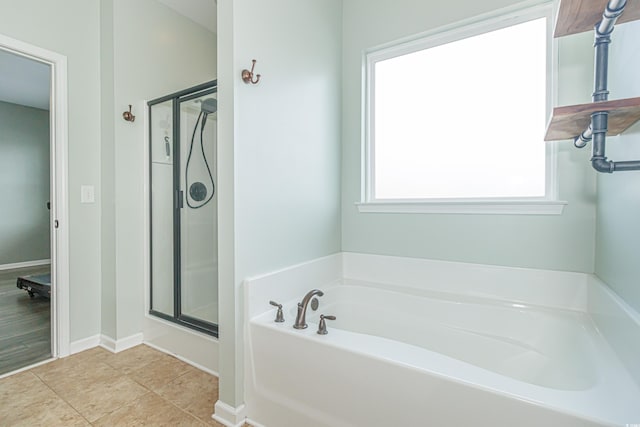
[(302, 308)]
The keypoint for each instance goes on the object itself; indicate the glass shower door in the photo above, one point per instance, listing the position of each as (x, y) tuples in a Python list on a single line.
[(162, 203), (198, 219), (184, 208)]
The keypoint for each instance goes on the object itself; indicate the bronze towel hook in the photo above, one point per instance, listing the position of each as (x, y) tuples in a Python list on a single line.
[(247, 76), (128, 115)]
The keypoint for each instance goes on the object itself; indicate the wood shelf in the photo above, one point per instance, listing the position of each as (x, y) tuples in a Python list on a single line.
[(568, 122), (577, 16)]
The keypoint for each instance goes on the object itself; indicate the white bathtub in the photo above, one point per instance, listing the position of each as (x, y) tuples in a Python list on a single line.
[(407, 356), (550, 348)]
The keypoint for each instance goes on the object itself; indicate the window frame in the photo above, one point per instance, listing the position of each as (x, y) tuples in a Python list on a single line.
[(546, 205)]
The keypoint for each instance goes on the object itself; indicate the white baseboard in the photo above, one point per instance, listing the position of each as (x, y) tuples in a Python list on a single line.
[(184, 359), (25, 264), (114, 346), (194, 347), (84, 344), (106, 342), (228, 415), (129, 342)]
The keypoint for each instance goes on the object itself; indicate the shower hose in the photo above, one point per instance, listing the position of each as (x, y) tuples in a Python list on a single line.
[(195, 189)]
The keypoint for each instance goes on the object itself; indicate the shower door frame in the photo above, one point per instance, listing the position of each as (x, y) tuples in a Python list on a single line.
[(178, 317)]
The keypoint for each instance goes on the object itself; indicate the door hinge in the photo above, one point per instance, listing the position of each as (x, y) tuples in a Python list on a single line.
[(179, 199)]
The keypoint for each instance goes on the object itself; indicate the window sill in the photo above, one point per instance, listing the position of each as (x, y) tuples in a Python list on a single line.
[(485, 207)]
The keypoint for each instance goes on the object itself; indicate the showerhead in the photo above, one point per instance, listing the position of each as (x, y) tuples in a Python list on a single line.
[(209, 106)]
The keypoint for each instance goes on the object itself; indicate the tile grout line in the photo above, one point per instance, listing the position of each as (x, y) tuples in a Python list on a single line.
[(96, 361), (51, 382), (131, 377), (120, 407), (60, 397), (183, 410), (149, 390), (167, 400), (121, 373)]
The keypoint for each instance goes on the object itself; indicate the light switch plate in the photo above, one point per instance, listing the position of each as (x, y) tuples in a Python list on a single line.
[(87, 194)]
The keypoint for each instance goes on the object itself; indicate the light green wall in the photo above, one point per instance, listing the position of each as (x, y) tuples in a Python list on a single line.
[(229, 298), (618, 225), (24, 184), (285, 137), (107, 170), (149, 51), (288, 136), (72, 28), (563, 242)]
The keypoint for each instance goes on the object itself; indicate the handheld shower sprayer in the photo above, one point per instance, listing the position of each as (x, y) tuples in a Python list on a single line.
[(209, 106), (197, 190)]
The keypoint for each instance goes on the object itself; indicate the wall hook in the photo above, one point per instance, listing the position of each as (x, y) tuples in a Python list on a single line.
[(128, 115), (247, 76)]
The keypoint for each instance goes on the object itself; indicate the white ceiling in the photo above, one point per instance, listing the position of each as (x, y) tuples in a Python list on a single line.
[(203, 12), (24, 81)]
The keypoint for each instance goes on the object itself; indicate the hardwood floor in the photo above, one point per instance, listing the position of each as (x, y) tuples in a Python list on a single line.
[(25, 322)]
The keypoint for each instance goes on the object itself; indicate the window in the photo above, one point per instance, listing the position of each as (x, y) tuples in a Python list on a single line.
[(458, 119)]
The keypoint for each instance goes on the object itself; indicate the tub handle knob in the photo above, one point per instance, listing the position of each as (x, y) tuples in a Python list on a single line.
[(279, 315), (322, 327)]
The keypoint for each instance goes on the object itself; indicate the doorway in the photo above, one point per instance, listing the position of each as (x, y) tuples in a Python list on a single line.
[(34, 260)]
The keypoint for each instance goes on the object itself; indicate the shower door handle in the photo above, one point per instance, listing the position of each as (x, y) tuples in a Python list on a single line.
[(179, 202)]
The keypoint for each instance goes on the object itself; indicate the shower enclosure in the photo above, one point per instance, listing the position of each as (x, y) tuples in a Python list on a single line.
[(184, 208)]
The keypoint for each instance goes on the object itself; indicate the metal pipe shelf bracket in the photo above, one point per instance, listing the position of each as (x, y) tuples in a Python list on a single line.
[(597, 129)]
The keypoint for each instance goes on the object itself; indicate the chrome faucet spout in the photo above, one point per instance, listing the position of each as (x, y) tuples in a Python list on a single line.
[(302, 308)]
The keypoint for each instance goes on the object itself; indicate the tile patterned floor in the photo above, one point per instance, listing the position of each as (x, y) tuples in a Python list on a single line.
[(137, 387)]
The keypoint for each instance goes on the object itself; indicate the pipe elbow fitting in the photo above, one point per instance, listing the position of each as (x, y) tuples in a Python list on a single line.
[(601, 164)]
